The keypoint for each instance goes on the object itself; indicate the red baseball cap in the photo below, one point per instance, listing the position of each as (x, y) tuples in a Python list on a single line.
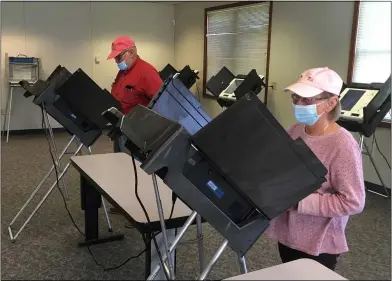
[(120, 44), (316, 81)]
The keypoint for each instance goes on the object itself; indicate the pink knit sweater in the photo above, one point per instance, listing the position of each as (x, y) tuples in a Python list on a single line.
[(318, 224)]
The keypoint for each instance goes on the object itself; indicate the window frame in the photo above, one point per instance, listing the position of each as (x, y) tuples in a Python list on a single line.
[(228, 6), (354, 33)]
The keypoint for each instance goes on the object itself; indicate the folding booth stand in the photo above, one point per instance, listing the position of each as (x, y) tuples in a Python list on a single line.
[(364, 106), (218, 167), (66, 97)]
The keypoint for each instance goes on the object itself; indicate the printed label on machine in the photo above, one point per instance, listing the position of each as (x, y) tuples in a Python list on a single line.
[(215, 189)]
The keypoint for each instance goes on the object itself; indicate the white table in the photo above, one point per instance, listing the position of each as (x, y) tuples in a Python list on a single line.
[(302, 269), (112, 175)]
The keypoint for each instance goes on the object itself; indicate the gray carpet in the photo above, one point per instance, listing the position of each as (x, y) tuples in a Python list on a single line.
[(47, 248)]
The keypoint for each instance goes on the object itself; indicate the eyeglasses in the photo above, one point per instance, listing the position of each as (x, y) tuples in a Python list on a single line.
[(307, 101), (119, 56)]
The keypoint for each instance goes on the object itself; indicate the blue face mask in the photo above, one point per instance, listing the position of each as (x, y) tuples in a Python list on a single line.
[(306, 114), (122, 65)]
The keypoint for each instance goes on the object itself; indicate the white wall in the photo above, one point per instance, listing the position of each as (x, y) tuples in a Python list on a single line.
[(304, 35), (75, 36)]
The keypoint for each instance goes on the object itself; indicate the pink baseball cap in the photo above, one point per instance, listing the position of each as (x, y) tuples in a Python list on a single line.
[(120, 44), (316, 81)]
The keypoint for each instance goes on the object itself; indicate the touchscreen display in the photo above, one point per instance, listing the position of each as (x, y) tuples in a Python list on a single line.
[(351, 98), (234, 86), (177, 103)]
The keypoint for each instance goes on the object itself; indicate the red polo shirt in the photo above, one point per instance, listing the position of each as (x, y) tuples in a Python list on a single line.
[(144, 81)]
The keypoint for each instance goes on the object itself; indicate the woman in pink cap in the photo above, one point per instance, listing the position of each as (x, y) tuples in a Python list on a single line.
[(315, 228)]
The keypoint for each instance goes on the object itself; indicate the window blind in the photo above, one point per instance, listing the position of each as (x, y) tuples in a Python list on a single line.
[(373, 44), (372, 62), (238, 39)]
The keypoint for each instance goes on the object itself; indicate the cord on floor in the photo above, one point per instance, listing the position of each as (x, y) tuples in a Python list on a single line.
[(69, 213)]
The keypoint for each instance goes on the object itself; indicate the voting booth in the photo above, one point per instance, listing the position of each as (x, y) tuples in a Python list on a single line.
[(76, 102), (364, 106), (187, 76), (238, 171), (228, 88)]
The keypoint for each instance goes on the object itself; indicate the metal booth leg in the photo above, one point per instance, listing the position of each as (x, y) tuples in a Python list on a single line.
[(78, 143), (155, 260), (7, 117), (386, 195), (104, 204), (163, 227), (13, 237), (39, 185), (213, 261), (181, 233), (56, 155), (6, 113), (200, 241), (242, 262)]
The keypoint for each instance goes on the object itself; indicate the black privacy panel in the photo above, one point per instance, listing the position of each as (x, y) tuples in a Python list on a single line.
[(255, 153)]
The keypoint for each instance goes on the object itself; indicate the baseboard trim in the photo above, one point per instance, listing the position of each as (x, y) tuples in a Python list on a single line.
[(369, 185), (37, 131), (33, 131), (377, 188)]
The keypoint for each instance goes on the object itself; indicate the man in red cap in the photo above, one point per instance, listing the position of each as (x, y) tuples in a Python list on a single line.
[(136, 82)]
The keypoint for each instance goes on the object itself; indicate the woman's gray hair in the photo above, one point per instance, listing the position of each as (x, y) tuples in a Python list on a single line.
[(334, 114), (336, 111)]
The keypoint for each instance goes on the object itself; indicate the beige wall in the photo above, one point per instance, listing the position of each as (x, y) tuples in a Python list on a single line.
[(73, 38), (304, 35)]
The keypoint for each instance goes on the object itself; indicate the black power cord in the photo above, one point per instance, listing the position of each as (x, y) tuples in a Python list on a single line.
[(119, 266), (375, 140), (172, 208), (123, 263), (57, 175), (147, 216), (68, 211)]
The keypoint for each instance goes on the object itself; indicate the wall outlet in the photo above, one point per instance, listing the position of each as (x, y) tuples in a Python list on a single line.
[(274, 86)]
